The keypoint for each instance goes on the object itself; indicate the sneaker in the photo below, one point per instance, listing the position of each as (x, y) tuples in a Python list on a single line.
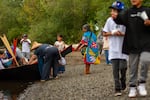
[(42, 80), (142, 90), (118, 94), (132, 92)]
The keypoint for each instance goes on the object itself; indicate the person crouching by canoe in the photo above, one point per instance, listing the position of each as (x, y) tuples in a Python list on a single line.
[(47, 56), (4, 62)]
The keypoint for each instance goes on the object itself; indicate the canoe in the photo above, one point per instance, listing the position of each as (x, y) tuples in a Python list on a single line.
[(22, 73), (26, 72)]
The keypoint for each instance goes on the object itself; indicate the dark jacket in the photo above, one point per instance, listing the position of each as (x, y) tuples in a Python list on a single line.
[(137, 37)]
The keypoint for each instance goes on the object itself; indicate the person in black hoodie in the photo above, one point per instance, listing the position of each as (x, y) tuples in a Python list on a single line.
[(136, 43)]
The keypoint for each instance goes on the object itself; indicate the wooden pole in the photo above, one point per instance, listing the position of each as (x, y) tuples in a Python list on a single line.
[(6, 43)]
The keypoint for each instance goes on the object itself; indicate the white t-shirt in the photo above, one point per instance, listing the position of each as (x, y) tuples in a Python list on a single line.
[(26, 45), (115, 42), (60, 45)]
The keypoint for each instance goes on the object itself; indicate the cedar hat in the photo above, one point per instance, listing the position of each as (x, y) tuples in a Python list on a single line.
[(35, 45)]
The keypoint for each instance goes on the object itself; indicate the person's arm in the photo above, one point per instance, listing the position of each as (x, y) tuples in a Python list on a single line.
[(122, 18), (115, 33), (29, 41), (21, 40), (82, 45), (33, 59), (147, 22), (77, 48), (107, 31)]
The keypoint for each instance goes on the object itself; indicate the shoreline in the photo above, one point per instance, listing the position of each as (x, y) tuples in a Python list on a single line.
[(75, 85)]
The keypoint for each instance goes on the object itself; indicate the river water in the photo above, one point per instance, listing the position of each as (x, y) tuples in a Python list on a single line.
[(9, 90)]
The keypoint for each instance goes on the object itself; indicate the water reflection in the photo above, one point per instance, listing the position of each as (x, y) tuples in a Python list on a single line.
[(9, 90)]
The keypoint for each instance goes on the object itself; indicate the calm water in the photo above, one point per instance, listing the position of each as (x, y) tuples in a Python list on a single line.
[(10, 90)]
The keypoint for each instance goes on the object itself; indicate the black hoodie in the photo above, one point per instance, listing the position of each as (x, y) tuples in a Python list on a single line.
[(137, 37)]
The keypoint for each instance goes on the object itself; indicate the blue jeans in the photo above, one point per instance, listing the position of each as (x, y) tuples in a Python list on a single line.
[(40, 64), (61, 68), (50, 60), (106, 56)]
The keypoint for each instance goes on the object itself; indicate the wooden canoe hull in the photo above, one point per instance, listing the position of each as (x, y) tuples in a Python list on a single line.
[(23, 73)]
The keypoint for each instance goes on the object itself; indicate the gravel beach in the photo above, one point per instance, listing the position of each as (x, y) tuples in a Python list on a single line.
[(74, 85)]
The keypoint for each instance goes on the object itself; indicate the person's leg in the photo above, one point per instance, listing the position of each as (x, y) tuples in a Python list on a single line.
[(115, 66), (87, 68), (48, 60), (123, 70), (100, 49), (142, 80), (133, 71), (143, 73), (145, 62), (106, 56), (56, 57), (40, 65), (46, 69), (55, 67), (61, 69)]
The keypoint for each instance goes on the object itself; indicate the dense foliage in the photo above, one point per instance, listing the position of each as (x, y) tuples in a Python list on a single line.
[(42, 20)]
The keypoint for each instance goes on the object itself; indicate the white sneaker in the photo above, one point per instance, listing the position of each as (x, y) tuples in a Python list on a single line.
[(142, 90), (132, 92)]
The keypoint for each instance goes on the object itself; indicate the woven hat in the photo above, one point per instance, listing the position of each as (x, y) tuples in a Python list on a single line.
[(35, 45)]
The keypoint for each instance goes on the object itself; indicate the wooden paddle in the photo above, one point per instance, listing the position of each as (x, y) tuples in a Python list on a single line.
[(6, 43)]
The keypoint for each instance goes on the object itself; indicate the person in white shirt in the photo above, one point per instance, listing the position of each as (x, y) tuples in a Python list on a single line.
[(26, 46), (60, 44), (115, 34)]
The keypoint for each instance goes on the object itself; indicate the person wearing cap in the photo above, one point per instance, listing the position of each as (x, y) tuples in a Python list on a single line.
[(26, 46), (47, 56), (115, 34), (136, 44), (89, 41)]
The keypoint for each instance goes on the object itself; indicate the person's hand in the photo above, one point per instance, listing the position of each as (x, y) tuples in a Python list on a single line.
[(118, 33), (76, 49), (147, 22), (12, 58)]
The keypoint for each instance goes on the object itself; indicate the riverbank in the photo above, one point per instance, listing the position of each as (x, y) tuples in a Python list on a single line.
[(74, 85)]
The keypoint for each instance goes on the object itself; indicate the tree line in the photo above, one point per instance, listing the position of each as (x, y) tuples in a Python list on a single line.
[(42, 20)]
